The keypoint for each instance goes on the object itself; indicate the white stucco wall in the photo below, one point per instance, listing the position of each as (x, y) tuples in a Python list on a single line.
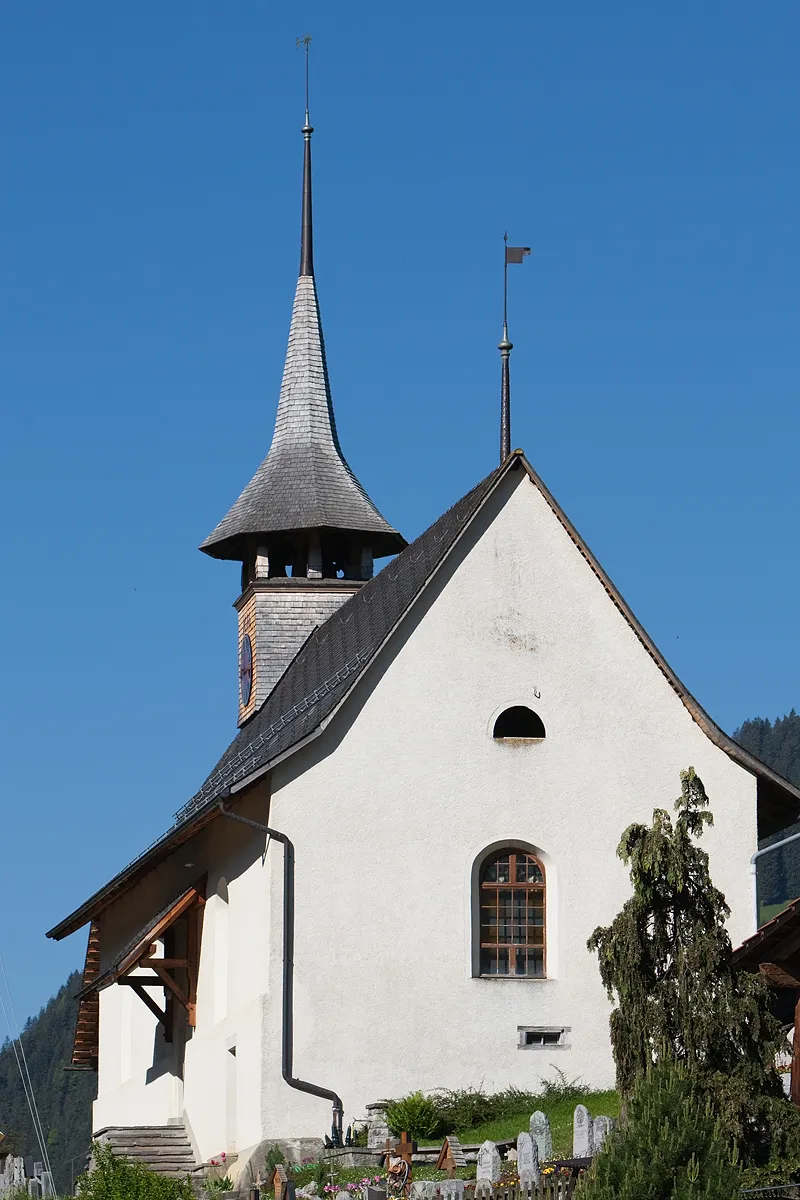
[(407, 787), (141, 1080), (388, 811)]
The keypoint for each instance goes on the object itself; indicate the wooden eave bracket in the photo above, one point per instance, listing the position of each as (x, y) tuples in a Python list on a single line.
[(190, 905)]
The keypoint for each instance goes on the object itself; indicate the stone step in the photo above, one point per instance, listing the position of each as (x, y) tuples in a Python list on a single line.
[(166, 1149)]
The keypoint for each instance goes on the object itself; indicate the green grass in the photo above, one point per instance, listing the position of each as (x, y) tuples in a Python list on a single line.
[(559, 1111)]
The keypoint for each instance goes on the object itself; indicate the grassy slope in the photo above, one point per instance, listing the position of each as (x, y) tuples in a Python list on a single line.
[(559, 1112), (558, 1109)]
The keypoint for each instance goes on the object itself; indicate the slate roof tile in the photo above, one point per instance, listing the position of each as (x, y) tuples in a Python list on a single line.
[(305, 481)]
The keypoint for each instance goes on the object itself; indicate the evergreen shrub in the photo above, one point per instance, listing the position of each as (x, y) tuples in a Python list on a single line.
[(117, 1178), (415, 1115), (667, 962), (671, 1147), (275, 1157)]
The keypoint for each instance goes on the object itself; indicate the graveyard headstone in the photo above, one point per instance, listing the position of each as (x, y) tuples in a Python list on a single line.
[(451, 1189), (527, 1160), (601, 1128), (581, 1132), (488, 1163), (542, 1135)]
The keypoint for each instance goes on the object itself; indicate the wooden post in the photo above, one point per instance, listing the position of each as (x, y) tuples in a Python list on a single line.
[(794, 1092)]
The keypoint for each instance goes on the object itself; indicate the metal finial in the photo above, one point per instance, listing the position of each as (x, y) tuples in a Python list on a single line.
[(306, 228), (305, 42), (511, 254), (505, 347)]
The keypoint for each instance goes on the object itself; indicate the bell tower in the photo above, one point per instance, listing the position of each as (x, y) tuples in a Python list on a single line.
[(304, 529)]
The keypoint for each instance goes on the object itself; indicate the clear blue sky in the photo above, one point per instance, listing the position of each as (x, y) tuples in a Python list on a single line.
[(150, 213)]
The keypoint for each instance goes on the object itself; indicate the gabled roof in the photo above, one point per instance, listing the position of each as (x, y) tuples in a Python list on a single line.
[(336, 655)]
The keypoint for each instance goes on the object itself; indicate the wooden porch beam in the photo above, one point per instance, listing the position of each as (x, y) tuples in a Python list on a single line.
[(172, 963), (170, 983), (147, 1000)]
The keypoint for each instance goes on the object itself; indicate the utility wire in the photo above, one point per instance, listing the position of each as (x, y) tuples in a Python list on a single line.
[(32, 1105), (36, 1127)]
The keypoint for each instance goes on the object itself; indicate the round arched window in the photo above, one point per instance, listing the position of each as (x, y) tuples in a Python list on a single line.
[(512, 909), (519, 722)]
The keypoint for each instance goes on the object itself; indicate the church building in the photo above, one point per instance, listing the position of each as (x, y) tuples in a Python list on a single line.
[(388, 880)]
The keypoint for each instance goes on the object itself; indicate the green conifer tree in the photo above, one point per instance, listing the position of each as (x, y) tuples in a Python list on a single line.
[(671, 1146), (667, 962)]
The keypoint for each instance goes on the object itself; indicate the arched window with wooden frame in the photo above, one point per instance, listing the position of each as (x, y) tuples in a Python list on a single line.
[(512, 915)]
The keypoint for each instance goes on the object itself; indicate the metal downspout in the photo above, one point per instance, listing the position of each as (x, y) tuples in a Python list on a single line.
[(287, 1047)]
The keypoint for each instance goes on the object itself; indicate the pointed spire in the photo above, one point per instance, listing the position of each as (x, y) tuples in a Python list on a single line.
[(304, 486), (307, 228)]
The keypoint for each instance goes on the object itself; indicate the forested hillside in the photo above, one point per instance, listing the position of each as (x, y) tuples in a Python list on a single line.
[(776, 743), (64, 1098)]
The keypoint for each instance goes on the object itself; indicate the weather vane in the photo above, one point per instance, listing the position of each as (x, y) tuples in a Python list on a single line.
[(306, 42), (511, 254)]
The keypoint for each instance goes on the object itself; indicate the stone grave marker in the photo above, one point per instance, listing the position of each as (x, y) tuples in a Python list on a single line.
[(542, 1135), (527, 1160), (488, 1163), (451, 1189), (601, 1128), (581, 1132)]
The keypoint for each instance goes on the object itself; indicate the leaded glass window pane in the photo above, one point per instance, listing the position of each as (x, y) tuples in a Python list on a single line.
[(512, 918)]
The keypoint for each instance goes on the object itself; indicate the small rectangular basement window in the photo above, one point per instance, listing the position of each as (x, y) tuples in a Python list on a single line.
[(547, 1037)]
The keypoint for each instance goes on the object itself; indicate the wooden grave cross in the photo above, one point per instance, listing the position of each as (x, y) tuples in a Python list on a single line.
[(403, 1150)]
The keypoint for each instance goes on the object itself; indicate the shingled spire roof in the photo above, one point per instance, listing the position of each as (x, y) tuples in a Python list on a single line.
[(304, 483)]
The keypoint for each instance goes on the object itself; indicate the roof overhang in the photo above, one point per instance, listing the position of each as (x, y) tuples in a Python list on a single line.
[(238, 547)]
